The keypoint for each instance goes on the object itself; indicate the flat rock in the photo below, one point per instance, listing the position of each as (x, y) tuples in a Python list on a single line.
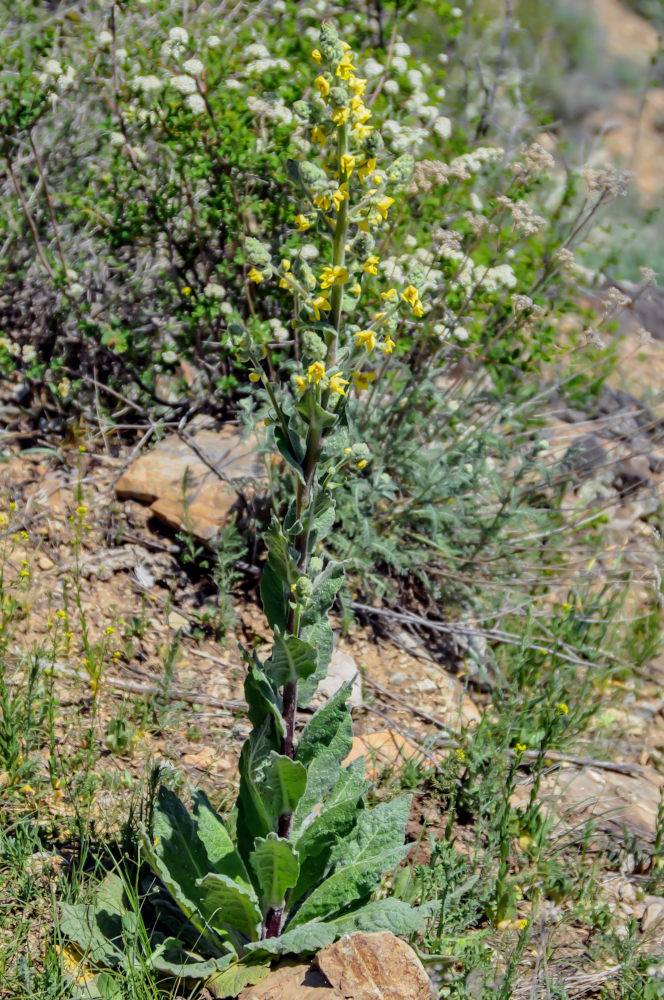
[(384, 748), (186, 492), (375, 966), (292, 982)]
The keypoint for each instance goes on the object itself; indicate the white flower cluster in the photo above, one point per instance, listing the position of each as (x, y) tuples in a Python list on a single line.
[(261, 61), (176, 43), (274, 112)]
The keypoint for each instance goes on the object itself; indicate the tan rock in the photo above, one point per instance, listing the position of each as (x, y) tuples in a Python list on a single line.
[(187, 492), (653, 916), (292, 982), (385, 748), (371, 966)]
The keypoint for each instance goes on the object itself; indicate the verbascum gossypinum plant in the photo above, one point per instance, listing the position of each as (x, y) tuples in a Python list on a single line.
[(301, 859)]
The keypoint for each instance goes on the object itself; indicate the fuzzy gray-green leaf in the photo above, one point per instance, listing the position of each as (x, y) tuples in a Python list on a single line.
[(276, 864), (231, 907)]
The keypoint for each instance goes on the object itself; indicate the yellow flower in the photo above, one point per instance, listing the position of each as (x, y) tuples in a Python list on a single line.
[(367, 338), (286, 265), (362, 380), (460, 754), (520, 748), (322, 85), (320, 304), (368, 168), (340, 195), (362, 131), (362, 463), (186, 290), (340, 115), (337, 384), (356, 289), (391, 295), (347, 163), (322, 201), (370, 265), (336, 275), (361, 112), (316, 56), (300, 383), (383, 205), (302, 223), (318, 135), (412, 297), (345, 67), (316, 372), (562, 708), (388, 346), (255, 276), (254, 377), (357, 85)]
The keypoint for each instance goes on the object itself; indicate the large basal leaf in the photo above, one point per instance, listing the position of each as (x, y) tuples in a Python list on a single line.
[(231, 907), (96, 928), (262, 701), (282, 785), (275, 862), (172, 959), (383, 914), (291, 659), (253, 816), (359, 863), (214, 836), (316, 843), (232, 980)]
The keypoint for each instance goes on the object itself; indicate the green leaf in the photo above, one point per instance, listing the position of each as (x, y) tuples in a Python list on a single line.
[(320, 636), (96, 928), (322, 517), (232, 980), (231, 906), (329, 731), (105, 986), (291, 449), (383, 914), (173, 959), (220, 849), (275, 862), (291, 659), (262, 701), (359, 863), (279, 573), (253, 817), (315, 844), (283, 785), (313, 413), (325, 588)]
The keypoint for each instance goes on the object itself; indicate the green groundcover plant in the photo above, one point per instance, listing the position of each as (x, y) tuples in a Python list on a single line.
[(302, 857)]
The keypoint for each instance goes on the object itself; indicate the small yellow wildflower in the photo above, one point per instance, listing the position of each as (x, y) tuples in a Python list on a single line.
[(367, 338), (337, 384), (316, 56), (286, 265), (388, 346), (345, 67), (361, 113), (318, 135), (336, 275), (412, 297), (383, 205), (316, 372), (370, 265), (255, 276), (362, 131), (300, 383), (186, 290), (520, 748), (340, 116), (254, 377), (362, 463), (320, 304), (520, 925), (362, 380), (391, 295), (12, 505), (110, 630), (302, 223), (357, 85), (347, 163), (356, 289), (322, 85), (460, 754), (81, 510), (322, 201), (340, 195), (367, 169), (562, 708)]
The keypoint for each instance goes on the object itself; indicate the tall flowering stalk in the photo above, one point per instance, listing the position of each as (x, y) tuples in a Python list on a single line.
[(304, 855)]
